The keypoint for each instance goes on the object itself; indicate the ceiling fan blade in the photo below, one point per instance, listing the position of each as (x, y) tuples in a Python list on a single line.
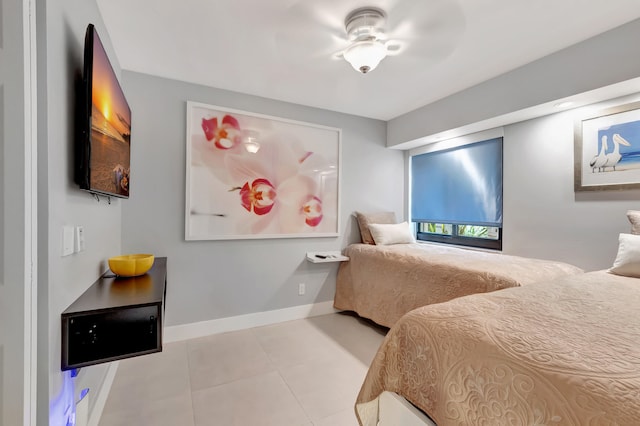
[(433, 34), (301, 46), (309, 29), (412, 19), (309, 15)]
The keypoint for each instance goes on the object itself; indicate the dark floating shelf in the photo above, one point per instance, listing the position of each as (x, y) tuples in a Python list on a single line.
[(115, 318)]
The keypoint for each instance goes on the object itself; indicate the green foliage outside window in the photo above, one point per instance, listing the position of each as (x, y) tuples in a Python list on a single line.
[(472, 231)]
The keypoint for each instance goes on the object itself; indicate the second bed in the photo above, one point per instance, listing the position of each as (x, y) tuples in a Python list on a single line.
[(384, 282)]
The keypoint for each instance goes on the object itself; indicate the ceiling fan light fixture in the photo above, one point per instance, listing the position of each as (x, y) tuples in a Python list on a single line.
[(365, 22), (365, 55), (365, 27)]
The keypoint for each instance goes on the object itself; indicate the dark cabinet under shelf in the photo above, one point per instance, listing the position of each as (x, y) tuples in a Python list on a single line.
[(115, 318)]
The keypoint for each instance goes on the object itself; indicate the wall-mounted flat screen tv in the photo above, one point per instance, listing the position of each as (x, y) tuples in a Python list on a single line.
[(104, 146)]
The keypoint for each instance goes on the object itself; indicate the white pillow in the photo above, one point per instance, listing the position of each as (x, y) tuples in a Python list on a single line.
[(364, 219), (396, 233), (627, 261)]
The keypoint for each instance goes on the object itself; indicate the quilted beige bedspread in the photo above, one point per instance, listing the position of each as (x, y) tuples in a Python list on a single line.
[(563, 352), (383, 283)]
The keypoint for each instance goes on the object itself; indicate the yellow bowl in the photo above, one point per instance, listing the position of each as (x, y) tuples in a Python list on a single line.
[(131, 265)]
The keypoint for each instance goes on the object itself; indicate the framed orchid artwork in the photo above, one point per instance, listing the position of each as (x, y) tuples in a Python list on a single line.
[(256, 176)]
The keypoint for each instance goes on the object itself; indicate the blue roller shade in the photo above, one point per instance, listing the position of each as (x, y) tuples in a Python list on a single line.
[(462, 185)]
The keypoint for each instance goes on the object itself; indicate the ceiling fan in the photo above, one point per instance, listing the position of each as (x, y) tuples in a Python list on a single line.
[(369, 44), (425, 30)]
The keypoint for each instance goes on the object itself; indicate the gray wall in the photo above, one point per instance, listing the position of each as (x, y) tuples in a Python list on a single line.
[(61, 29), (12, 214), (603, 60), (216, 279), (543, 216)]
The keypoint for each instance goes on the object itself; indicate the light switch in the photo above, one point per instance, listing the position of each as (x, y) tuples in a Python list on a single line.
[(67, 240), (79, 243)]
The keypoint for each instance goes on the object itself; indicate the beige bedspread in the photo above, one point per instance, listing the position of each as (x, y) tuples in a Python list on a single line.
[(563, 352), (383, 283)]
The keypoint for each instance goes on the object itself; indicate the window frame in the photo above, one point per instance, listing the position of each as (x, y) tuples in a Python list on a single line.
[(455, 239)]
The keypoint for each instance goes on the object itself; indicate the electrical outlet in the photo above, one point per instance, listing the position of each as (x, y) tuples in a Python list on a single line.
[(301, 289)]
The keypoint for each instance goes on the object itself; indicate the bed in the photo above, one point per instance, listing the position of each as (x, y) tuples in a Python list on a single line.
[(384, 282), (561, 352)]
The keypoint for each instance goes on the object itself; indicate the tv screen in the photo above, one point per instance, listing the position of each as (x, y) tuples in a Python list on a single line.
[(104, 148)]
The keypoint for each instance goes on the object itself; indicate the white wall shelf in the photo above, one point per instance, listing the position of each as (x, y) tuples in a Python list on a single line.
[(326, 256)]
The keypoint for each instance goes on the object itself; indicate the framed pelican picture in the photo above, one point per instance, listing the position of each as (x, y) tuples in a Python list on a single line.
[(607, 149), (256, 176)]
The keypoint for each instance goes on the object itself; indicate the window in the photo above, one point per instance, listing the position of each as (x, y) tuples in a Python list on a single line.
[(456, 195), (466, 235)]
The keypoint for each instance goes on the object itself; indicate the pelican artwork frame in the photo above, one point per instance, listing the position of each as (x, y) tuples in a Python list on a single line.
[(607, 149)]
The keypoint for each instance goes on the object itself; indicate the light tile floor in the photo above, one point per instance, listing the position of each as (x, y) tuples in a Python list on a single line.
[(299, 373)]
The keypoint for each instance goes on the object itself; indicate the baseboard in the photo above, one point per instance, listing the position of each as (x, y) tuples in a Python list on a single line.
[(177, 333), (103, 394)]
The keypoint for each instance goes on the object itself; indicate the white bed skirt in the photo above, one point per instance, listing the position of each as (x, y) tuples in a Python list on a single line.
[(390, 409)]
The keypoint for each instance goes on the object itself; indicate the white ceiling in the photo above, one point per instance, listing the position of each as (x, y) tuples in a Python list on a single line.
[(285, 49)]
